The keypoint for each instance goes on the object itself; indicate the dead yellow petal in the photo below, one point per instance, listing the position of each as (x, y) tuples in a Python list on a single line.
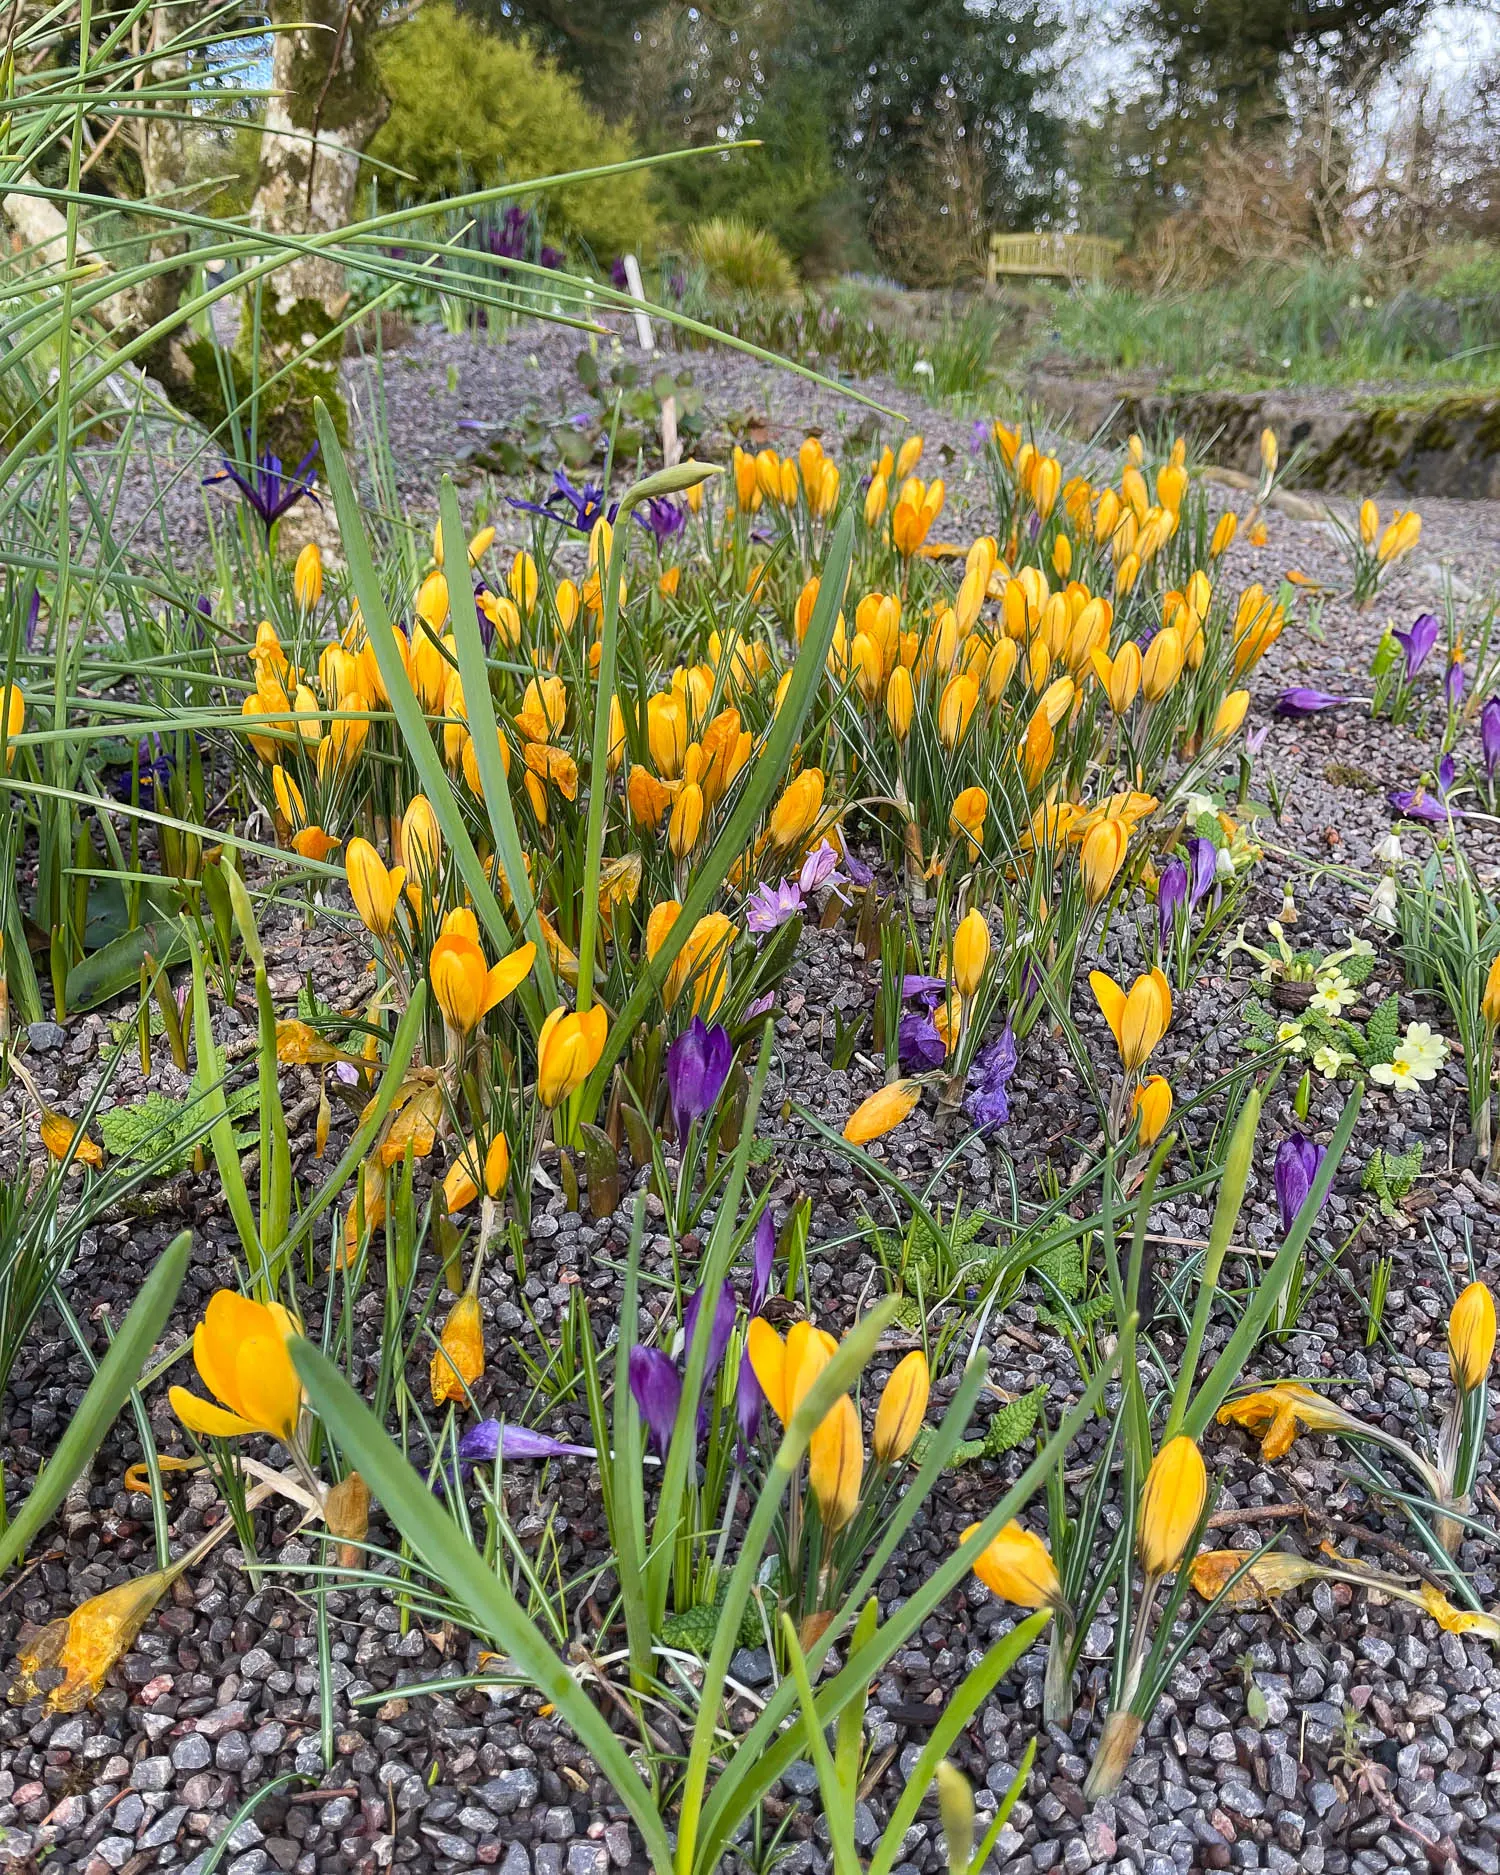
[(70, 1658), (1458, 1620), (138, 1478), (59, 1133)]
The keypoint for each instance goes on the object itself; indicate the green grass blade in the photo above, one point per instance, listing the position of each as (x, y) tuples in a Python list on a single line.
[(447, 1552)]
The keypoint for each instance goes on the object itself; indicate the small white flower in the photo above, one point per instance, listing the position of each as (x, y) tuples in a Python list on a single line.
[(1398, 1075), (1359, 946), (1329, 1060), (1383, 904), (1224, 863), (1388, 853), (1291, 1038), (922, 369)]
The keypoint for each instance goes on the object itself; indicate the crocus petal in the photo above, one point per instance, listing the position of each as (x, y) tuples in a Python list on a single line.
[(200, 1416)]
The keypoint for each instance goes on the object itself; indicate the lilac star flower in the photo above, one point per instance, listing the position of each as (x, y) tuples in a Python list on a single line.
[(698, 1064), (1489, 735), (1296, 1166), (268, 488), (771, 906), (987, 1103), (656, 1387), (1417, 642), (1300, 702), (819, 869)]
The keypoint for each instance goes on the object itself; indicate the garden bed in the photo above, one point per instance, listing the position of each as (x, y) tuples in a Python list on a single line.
[(1337, 1731)]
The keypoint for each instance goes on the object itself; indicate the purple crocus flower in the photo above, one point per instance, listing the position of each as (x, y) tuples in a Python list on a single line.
[(698, 1064), (1453, 684), (930, 991), (771, 906), (33, 615), (1171, 898), (987, 1104), (762, 1261), (268, 488), (1489, 736), (617, 275), (1417, 642), (919, 1044), (1300, 702), (656, 1387), (1256, 740), (154, 766), (490, 1439), (762, 1006), (861, 874), (663, 518), (979, 436), (1297, 1163), (1417, 804)]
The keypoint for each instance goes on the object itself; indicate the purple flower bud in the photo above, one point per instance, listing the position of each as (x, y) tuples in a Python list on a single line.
[(698, 1064), (1205, 865), (656, 1387), (1453, 684), (1489, 735), (747, 1402), (1171, 898), (1445, 773), (1256, 740), (1417, 642), (1300, 702), (1296, 1166), (490, 1439), (762, 1261), (987, 1102), (719, 1333)]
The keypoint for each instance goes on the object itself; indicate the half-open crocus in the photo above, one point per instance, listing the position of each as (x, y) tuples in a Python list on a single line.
[(240, 1351), (1300, 701), (903, 1406), (787, 1369), (882, 1112), (1017, 1566), (1172, 1502), (656, 1388), (836, 1463), (1471, 1337), (1489, 736), (568, 1051), (1138, 1020), (375, 888)]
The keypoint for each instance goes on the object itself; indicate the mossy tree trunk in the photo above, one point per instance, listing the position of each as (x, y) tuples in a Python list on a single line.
[(327, 103)]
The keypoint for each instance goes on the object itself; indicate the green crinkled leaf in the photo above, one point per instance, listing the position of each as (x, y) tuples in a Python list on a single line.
[(1008, 1428), (1079, 1315), (1382, 1031), (1062, 1267), (1390, 1176), (1357, 969), (151, 1127), (1207, 828)]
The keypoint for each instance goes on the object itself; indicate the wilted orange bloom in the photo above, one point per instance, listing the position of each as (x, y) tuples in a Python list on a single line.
[(59, 1133)]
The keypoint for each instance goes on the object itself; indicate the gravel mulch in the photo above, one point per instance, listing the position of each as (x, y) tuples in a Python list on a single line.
[(1370, 1742)]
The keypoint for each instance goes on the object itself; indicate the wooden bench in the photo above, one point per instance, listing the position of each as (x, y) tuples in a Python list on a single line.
[(1051, 256)]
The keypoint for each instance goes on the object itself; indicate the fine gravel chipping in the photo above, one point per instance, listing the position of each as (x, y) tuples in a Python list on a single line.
[(1332, 1731)]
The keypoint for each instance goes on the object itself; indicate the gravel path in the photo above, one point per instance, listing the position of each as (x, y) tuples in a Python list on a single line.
[(1371, 1744)]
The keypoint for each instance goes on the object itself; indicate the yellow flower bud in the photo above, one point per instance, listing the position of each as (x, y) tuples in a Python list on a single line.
[(1016, 1566), (971, 952), (882, 1113), (836, 1463), (458, 1361), (903, 1406), (1471, 1337), (1172, 1502)]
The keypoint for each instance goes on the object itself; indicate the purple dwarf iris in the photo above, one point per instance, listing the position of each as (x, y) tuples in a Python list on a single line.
[(1417, 642), (1171, 897), (490, 1439), (663, 518), (1453, 685), (1300, 702), (987, 1103), (698, 1064), (1489, 736), (1417, 804), (269, 489), (584, 505), (771, 906), (1297, 1163), (154, 766)]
